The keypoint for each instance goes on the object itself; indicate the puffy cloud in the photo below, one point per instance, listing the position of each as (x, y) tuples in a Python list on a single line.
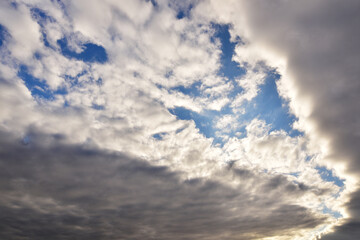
[(250, 83), (25, 34)]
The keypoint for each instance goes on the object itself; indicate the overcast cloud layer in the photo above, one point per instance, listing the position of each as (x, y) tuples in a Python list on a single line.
[(179, 119)]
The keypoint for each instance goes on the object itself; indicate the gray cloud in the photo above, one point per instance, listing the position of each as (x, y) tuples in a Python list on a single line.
[(57, 191), (346, 231), (350, 228)]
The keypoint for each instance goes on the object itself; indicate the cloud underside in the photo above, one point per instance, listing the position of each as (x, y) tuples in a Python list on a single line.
[(67, 192)]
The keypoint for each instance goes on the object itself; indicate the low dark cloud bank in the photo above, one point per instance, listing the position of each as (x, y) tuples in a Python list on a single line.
[(55, 191)]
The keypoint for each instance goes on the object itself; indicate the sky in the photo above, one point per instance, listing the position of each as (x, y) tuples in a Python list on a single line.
[(165, 119)]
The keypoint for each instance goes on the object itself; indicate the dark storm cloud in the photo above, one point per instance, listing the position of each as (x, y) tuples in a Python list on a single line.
[(58, 191)]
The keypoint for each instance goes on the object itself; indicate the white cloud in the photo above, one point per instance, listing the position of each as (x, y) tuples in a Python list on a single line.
[(250, 83)]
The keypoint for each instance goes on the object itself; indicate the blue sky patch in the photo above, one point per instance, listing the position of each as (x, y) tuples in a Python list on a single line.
[(99, 82), (335, 214), (40, 16), (202, 122), (269, 106), (184, 12), (91, 53), (38, 87), (327, 175), (295, 174), (74, 81), (159, 136), (97, 106), (153, 2), (192, 90), (229, 68), (3, 34), (26, 140)]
